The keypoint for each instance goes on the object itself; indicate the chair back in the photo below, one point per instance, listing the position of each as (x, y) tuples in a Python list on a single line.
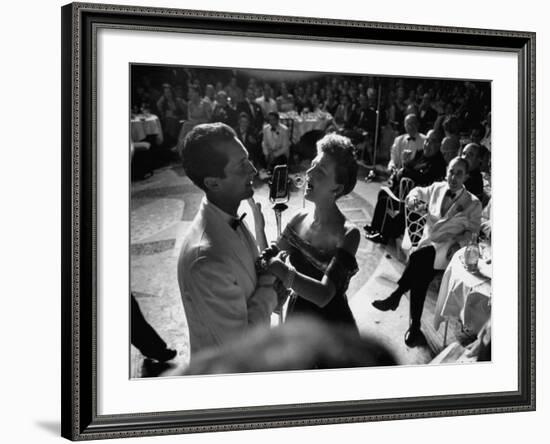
[(395, 204), (414, 228), (406, 184)]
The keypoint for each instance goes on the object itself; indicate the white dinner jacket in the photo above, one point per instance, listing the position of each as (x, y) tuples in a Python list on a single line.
[(217, 280), (459, 223), (402, 143)]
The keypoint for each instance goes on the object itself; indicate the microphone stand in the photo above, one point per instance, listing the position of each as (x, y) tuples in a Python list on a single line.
[(279, 205)]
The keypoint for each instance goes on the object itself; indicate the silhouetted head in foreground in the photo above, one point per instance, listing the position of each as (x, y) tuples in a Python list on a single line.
[(300, 344)]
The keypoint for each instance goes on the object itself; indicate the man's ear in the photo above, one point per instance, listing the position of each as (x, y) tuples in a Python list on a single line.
[(212, 183)]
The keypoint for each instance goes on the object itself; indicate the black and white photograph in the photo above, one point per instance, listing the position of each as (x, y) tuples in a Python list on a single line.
[(297, 220)]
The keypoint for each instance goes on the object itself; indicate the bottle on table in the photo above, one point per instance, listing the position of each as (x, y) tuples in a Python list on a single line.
[(471, 254)]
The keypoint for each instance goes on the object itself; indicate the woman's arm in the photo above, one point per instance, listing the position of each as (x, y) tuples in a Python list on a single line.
[(319, 292)]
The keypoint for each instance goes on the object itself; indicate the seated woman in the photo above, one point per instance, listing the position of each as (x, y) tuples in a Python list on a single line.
[(454, 214), (320, 245)]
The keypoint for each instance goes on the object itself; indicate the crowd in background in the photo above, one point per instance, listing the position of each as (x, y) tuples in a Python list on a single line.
[(370, 110)]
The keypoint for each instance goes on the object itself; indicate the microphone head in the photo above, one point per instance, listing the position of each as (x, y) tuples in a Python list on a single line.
[(278, 188)]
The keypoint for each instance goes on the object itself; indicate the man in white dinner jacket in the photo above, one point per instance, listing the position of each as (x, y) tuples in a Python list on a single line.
[(221, 292), (406, 145), (454, 215), (275, 142)]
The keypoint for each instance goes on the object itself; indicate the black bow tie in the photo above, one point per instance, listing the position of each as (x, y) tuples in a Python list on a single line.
[(450, 194), (236, 221), (274, 129), (411, 138)]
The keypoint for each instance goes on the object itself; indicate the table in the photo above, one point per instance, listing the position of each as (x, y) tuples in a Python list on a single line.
[(300, 124), (143, 125), (464, 295)]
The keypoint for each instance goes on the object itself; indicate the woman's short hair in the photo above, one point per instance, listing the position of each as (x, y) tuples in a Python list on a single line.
[(201, 156), (342, 151)]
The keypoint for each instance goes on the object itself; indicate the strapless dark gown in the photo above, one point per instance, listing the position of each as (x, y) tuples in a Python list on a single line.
[(339, 266)]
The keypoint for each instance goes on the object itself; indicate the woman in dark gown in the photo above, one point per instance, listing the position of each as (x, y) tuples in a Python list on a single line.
[(315, 257)]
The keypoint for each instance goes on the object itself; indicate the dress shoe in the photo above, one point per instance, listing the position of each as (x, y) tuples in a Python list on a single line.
[(161, 355), (387, 304), (369, 230), (414, 337), (377, 238)]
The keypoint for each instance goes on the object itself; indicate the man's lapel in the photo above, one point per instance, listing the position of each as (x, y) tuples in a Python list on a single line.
[(457, 206), (440, 199), (228, 239)]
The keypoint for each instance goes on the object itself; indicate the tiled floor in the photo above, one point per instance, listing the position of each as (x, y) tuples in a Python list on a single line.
[(162, 207)]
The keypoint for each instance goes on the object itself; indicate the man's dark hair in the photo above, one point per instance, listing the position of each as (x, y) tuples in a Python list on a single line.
[(342, 151), (479, 128), (195, 89), (273, 114), (201, 156), (437, 134), (476, 147), (450, 124)]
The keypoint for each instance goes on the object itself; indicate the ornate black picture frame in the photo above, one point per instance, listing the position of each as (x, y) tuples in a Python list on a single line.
[(80, 418)]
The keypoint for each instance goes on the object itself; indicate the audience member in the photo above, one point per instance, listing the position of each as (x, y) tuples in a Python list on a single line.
[(454, 215), (223, 112), (450, 146), (406, 145), (233, 91), (275, 142), (426, 114), (330, 103), (145, 338), (427, 167), (210, 96), (252, 110), (474, 153), (267, 102), (250, 139), (171, 110), (343, 115), (285, 101), (198, 111)]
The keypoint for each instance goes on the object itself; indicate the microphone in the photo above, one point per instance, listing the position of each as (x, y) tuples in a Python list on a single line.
[(279, 186)]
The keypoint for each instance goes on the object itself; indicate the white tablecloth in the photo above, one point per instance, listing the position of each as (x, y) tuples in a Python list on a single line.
[(463, 295), (145, 125), (302, 124)]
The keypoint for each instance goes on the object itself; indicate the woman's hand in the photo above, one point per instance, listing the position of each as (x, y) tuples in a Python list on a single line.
[(270, 252), (276, 265)]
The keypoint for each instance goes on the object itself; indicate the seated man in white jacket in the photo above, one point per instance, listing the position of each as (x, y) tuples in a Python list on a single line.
[(222, 294), (275, 142), (454, 214)]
